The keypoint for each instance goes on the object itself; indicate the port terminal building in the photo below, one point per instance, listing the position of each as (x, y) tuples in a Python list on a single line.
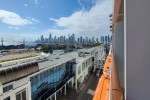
[(44, 76)]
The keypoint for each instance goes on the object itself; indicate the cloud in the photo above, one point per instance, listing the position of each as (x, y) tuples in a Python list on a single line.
[(14, 19), (87, 23), (36, 2), (26, 5), (92, 22), (33, 20), (12, 27)]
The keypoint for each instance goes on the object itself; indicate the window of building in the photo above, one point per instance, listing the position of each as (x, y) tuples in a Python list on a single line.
[(57, 68), (24, 95), (79, 70), (52, 70), (7, 88), (74, 68), (41, 76), (8, 98), (18, 97), (33, 80), (45, 74), (38, 77), (89, 61), (49, 72), (86, 63), (21, 95), (83, 66)]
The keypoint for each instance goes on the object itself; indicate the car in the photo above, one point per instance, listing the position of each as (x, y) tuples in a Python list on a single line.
[(97, 73)]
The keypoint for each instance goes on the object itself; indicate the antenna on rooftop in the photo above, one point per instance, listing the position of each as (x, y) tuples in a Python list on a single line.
[(24, 42), (2, 41)]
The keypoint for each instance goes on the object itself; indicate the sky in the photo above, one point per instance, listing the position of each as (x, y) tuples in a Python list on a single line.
[(29, 19)]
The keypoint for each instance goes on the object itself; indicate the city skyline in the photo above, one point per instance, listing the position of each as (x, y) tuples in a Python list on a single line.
[(30, 19), (72, 39)]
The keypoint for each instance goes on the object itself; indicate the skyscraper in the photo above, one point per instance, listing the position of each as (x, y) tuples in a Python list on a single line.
[(68, 38), (111, 38), (42, 39), (73, 38), (78, 40), (97, 40), (102, 37), (81, 39), (93, 39), (50, 37), (106, 39), (86, 39), (55, 39), (64, 39)]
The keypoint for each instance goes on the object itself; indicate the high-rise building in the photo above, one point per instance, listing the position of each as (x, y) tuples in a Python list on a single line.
[(101, 39), (81, 39), (58, 39), (90, 40), (50, 38), (106, 39), (93, 39), (86, 39), (111, 38), (64, 39), (73, 38), (78, 40), (97, 40), (55, 39), (42, 39), (69, 38)]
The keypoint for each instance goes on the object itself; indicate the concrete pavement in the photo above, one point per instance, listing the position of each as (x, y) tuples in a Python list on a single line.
[(86, 92)]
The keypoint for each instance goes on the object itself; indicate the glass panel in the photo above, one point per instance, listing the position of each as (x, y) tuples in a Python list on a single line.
[(49, 72), (8, 98), (83, 66), (56, 78), (18, 97), (86, 63), (79, 69), (7, 88), (33, 80), (24, 95), (11, 86)]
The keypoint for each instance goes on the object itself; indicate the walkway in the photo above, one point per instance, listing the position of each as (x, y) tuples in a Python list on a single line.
[(86, 92)]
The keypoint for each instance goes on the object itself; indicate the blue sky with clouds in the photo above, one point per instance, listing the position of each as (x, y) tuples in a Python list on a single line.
[(28, 19)]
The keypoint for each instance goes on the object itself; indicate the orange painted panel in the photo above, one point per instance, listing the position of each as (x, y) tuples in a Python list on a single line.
[(102, 88)]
